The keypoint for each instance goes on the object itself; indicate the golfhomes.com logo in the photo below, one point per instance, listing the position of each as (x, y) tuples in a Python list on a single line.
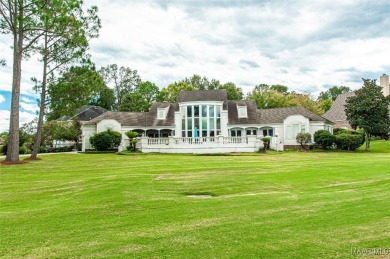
[(370, 251)]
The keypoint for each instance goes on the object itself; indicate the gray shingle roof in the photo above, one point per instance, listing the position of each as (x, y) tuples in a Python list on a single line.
[(85, 113), (278, 115), (141, 119), (202, 95), (337, 111), (253, 115)]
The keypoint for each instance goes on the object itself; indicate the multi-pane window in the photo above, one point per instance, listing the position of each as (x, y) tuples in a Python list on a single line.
[(242, 112), (294, 129), (161, 114), (204, 119), (267, 132)]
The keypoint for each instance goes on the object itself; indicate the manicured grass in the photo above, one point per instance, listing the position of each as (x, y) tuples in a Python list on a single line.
[(274, 205)]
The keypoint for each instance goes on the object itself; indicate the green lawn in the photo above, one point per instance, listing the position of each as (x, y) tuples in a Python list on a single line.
[(274, 205)]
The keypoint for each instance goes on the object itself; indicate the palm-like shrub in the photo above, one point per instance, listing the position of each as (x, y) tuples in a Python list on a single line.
[(133, 142)]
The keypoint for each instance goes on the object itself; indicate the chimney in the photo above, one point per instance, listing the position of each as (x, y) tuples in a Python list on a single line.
[(385, 84)]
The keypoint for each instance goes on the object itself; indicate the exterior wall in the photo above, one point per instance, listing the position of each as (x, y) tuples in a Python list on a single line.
[(88, 131), (224, 123), (108, 124), (314, 126), (178, 124), (291, 120)]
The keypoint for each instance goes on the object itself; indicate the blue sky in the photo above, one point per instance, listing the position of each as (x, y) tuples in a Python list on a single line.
[(306, 45)]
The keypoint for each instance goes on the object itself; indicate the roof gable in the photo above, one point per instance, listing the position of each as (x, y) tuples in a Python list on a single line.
[(337, 111)]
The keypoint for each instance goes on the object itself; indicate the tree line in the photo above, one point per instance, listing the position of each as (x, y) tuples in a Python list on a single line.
[(122, 89)]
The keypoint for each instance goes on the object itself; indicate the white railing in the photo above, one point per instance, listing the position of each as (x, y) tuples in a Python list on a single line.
[(158, 141), (194, 141), (234, 140)]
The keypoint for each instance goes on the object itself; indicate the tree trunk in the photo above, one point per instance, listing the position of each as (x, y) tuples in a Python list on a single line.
[(38, 137), (368, 139), (13, 140)]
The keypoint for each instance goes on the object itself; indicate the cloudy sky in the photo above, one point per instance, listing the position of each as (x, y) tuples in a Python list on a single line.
[(307, 45)]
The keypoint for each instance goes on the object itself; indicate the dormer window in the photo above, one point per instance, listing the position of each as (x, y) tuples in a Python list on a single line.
[(162, 113), (242, 112)]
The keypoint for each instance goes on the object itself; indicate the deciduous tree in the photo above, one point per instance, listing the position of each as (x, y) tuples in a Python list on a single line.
[(171, 92), (76, 87), (266, 97), (233, 91), (123, 79), (141, 99), (333, 92)]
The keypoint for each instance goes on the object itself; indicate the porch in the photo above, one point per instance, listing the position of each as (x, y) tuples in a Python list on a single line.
[(218, 144)]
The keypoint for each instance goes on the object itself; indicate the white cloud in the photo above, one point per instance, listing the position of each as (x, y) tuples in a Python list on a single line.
[(29, 107), (24, 117), (26, 99), (2, 98), (302, 44)]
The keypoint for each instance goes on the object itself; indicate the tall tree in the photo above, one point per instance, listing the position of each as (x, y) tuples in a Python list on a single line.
[(76, 87), (124, 80), (280, 88), (233, 92), (141, 99), (171, 92), (198, 82), (333, 92), (266, 97), (369, 110), (20, 18), (306, 101), (66, 32)]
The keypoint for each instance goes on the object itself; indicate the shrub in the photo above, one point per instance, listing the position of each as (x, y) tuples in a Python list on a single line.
[(22, 150), (266, 139), (303, 139), (348, 141), (338, 131), (41, 149), (324, 138), (4, 149), (106, 140), (133, 142)]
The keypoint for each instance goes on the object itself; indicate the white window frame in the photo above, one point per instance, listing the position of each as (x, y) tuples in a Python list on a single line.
[(242, 111), (161, 115), (292, 133)]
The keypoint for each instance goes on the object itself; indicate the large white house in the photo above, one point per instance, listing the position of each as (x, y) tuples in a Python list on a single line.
[(204, 121)]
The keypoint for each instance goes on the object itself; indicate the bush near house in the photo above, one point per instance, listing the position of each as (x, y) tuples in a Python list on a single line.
[(303, 139), (324, 138), (106, 140), (348, 141)]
